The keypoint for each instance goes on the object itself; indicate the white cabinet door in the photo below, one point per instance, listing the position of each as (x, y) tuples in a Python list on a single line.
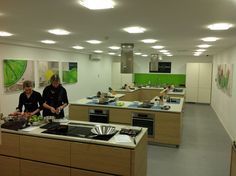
[(204, 95), (205, 75), (191, 94), (192, 82), (192, 74)]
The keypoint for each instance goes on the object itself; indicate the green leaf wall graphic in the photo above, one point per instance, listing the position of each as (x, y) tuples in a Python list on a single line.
[(13, 71)]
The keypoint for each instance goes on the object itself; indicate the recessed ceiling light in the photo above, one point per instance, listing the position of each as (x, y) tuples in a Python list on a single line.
[(59, 32), (169, 55), (111, 53), (157, 47), (204, 46), (197, 53), (164, 51), (78, 47), (114, 47), (97, 4), (119, 54), (220, 26), (210, 39), (149, 41), (94, 41), (5, 34), (144, 55), (200, 50), (137, 53), (135, 29), (48, 41), (98, 51)]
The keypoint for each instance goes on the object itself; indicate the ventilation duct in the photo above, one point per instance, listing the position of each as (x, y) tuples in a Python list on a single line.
[(127, 57), (153, 65)]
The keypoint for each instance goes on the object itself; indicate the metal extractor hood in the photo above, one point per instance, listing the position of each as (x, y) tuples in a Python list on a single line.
[(153, 65), (127, 57)]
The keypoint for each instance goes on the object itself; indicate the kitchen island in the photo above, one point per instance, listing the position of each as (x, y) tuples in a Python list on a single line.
[(147, 93), (164, 125), (36, 153)]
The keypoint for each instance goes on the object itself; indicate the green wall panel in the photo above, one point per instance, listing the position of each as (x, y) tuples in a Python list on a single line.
[(159, 79)]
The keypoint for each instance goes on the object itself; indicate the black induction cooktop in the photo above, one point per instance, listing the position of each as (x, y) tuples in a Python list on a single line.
[(83, 131)]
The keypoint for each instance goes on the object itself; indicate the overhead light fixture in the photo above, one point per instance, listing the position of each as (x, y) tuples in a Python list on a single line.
[(111, 53), (137, 54), (97, 4), (78, 47), (144, 55), (48, 41), (164, 51), (204, 46), (59, 32), (200, 50), (210, 39), (157, 47), (114, 47), (135, 29), (98, 51), (94, 41), (5, 34), (149, 41), (197, 53), (220, 26), (169, 55)]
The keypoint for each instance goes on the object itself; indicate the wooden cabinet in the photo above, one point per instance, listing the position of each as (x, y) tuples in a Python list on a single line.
[(79, 172), (10, 144), (120, 116), (131, 96), (9, 166), (78, 113), (100, 158), (45, 150), (198, 82), (168, 128), (31, 168), (233, 162), (149, 94)]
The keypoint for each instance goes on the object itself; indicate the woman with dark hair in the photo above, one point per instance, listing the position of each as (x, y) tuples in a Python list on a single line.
[(55, 98), (29, 99)]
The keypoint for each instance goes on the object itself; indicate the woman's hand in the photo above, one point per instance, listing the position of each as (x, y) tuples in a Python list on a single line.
[(53, 110)]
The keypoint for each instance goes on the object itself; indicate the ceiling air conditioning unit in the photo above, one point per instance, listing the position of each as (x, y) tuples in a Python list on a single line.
[(95, 57)]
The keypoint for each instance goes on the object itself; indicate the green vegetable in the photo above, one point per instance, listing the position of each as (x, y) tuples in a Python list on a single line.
[(36, 118)]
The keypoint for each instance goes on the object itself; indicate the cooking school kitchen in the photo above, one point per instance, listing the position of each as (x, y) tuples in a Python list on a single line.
[(115, 87)]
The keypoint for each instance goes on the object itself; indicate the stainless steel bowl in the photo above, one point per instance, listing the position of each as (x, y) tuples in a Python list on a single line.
[(103, 130)]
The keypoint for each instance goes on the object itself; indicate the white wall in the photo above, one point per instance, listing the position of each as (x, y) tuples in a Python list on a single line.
[(223, 104), (178, 63), (92, 75)]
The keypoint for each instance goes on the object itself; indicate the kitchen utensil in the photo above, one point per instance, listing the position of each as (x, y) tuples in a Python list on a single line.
[(103, 130)]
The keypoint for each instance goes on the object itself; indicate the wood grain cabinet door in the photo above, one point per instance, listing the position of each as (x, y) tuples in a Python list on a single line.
[(77, 112), (45, 150), (168, 128), (121, 116), (111, 160), (78, 172), (9, 166), (30, 168), (10, 144), (233, 163)]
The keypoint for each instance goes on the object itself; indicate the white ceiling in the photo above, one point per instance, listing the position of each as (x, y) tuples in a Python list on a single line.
[(176, 24)]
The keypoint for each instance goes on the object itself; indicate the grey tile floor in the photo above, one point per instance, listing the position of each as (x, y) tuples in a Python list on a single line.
[(204, 151)]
